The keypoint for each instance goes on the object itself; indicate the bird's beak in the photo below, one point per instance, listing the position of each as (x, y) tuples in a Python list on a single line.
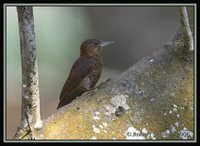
[(103, 44)]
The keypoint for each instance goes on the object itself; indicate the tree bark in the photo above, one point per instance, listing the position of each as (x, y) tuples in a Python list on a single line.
[(153, 99), (30, 111)]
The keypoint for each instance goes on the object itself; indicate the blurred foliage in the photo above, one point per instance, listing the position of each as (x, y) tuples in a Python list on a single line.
[(59, 32)]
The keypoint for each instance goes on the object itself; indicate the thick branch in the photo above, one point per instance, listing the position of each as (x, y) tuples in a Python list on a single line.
[(153, 99), (30, 91)]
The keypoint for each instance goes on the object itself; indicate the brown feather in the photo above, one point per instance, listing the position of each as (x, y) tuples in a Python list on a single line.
[(85, 72)]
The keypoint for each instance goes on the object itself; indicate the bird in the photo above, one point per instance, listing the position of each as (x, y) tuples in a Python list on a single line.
[(85, 72)]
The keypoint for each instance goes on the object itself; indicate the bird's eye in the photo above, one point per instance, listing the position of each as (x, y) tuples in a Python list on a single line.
[(96, 43)]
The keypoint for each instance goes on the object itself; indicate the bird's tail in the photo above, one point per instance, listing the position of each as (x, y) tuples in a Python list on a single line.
[(64, 101), (68, 98)]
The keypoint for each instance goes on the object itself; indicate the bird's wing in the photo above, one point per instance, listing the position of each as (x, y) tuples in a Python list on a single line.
[(79, 70)]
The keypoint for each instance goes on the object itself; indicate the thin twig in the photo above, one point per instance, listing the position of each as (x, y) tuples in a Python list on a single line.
[(29, 131), (30, 79), (186, 27)]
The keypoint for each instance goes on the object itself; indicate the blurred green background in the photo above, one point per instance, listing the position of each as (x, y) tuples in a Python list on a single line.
[(136, 31)]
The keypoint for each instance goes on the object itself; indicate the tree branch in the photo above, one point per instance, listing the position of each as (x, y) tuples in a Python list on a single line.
[(153, 99), (186, 28), (30, 81)]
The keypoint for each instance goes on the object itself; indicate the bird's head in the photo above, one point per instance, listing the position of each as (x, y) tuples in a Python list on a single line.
[(92, 47)]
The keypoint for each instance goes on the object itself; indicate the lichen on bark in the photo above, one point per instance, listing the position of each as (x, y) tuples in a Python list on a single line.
[(153, 99)]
